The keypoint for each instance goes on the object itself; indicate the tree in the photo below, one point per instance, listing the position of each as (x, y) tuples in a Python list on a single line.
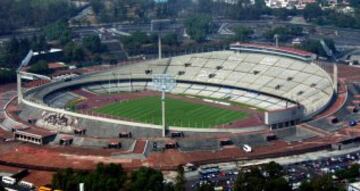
[(273, 169), (322, 183), (7, 76), (13, 51), (180, 179), (243, 34), (354, 3), (284, 13), (251, 180), (205, 187), (315, 46), (267, 177), (38, 43), (198, 27), (73, 52), (171, 39), (32, 13), (92, 43), (136, 40), (40, 67), (312, 11), (146, 179), (106, 177), (276, 184), (97, 6), (282, 32), (350, 173), (58, 31)]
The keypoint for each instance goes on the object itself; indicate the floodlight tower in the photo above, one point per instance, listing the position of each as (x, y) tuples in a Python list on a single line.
[(164, 83), (158, 26), (276, 37), (159, 45)]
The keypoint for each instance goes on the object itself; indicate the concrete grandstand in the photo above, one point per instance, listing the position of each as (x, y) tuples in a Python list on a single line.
[(278, 84), (287, 93)]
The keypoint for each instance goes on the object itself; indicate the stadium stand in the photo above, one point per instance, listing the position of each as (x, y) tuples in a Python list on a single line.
[(269, 80)]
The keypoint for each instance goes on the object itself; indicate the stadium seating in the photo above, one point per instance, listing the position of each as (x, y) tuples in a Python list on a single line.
[(261, 80)]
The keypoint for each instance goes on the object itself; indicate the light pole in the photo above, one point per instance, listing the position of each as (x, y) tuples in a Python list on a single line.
[(276, 36), (163, 112), (164, 83)]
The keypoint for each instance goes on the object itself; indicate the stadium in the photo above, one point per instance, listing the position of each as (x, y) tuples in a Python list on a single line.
[(276, 101)]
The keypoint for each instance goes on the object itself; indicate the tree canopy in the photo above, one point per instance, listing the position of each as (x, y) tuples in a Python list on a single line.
[(20, 13), (40, 67), (58, 31), (93, 44), (321, 183), (106, 177), (243, 34), (198, 27), (268, 177), (146, 179)]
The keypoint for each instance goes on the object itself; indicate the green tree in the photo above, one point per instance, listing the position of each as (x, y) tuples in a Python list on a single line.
[(39, 43), (198, 27), (350, 173), (284, 33), (273, 169), (106, 177), (251, 180), (92, 43), (58, 31), (314, 46), (73, 52), (136, 40), (180, 179), (322, 183), (243, 34), (205, 187), (268, 177), (32, 13), (146, 179), (7, 76), (312, 11), (276, 184), (13, 51), (171, 39), (40, 67)]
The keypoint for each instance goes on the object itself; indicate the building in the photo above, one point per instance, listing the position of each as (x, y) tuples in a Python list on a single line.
[(233, 2), (299, 4), (354, 186), (34, 135)]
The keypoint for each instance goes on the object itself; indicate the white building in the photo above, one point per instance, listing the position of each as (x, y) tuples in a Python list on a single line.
[(299, 4), (280, 3), (354, 186), (232, 2)]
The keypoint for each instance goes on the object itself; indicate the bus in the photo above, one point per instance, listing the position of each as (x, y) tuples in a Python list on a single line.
[(26, 184), (208, 170), (8, 180)]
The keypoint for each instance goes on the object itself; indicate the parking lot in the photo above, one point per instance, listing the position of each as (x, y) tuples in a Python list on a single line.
[(295, 172)]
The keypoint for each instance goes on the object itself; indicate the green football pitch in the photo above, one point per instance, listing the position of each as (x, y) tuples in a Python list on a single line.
[(178, 112)]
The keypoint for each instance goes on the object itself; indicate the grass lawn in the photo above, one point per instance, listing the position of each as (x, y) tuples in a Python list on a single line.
[(178, 112)]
